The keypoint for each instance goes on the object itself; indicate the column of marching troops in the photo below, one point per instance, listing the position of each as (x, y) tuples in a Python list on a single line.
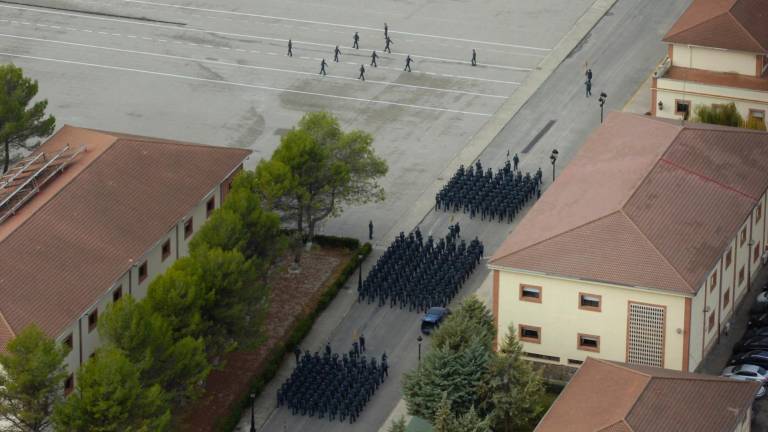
[(500, 196), (332, 387), (419, 274)]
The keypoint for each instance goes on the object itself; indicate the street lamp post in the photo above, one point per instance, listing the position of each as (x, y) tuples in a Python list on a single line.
[(419, 339), (602, 100), (253, 403), (359, 273), (553, 158)]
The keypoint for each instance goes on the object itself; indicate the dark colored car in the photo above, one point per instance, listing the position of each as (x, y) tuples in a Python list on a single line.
[(433, 318), (758, 331), (753, 344), (758, 321), (758, 308), (757, 358)]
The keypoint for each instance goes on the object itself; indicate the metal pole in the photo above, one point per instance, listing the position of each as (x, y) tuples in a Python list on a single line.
[(360, 273), (253, 422), (553, 171), (419, 339), (601, 113)]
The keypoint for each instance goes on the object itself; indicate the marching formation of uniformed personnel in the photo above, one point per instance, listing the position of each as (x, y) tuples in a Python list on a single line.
[(490, 196), (420, 274), (332, 387)]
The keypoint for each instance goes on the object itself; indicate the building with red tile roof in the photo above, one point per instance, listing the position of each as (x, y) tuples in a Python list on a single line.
[(641, 249), (91, 216), (606, 396)]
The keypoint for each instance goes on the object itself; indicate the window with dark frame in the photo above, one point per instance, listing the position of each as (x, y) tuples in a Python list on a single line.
[(756, 252), (530, 293), (713, 281), (68, 341), (166, 250), (530, 333), (711, 321), (117, 294), (726, 298), (741, 276), (188, 228), (759, 212), (210, 206), (728, 258), (743, 236), (589, 342), (93, 320), (683, 107), (591, 302), (69, 384), (143, 272), (575, 362)]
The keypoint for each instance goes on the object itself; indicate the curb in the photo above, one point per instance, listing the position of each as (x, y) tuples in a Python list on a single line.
[(483, 138)]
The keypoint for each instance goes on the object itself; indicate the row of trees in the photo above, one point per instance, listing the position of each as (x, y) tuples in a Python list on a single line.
[(463, 385)]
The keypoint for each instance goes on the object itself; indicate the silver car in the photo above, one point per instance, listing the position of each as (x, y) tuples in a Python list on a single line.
[(746, 372)]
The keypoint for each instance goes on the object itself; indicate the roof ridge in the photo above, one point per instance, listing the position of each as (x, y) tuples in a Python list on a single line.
[(621, 420), (668, 35), (556, 235), (6, 323), (624, 366), (709, 179), (738, 23), (664, 257)]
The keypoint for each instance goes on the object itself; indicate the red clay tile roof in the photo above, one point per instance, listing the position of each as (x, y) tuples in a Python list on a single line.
[(729, 24), (104, 212), (722, 79), (616, 397), (646, 202)]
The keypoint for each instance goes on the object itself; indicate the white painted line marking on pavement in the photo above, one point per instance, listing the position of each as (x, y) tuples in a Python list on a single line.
[(223, 63), (176, 28), (254, 86), (336, 25)]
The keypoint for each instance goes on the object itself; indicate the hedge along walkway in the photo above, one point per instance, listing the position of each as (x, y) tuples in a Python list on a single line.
[(292, 296)]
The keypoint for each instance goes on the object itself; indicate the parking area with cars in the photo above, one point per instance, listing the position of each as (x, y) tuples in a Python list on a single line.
[(743, 342)]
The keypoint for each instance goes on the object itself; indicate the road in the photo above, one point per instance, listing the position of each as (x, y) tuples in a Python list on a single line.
[(622, 50)]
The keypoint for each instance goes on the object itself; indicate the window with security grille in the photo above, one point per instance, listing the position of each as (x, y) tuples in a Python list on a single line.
[(645, 336)]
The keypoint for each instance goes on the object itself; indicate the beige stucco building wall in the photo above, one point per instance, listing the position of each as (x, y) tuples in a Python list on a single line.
[(561, 320), (668, 91), (713, 59)]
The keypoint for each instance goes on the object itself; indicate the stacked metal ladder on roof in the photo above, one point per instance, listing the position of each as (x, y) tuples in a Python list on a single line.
[(35, 172)]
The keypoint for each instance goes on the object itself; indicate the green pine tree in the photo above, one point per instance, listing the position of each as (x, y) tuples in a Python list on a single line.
[(397, 425)]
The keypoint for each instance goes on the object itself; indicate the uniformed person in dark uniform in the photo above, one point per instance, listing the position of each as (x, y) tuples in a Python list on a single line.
[(356, 39)]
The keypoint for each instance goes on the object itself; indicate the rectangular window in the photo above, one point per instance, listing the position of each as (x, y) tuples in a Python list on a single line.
[(713, 281), (93, 320), (188, 228), (166, 250), (756, 252), (530, 333), (530, 293), (759, 212), (711, 321), (143, 272), (726, 298), (210, 206), (756, 119), (69, 384), (588, 342), (541, 356), (728, 258), (682, 107), (590, 302), (743, 236), (741, 276), (574, 362), (68, 341), (117, 294)]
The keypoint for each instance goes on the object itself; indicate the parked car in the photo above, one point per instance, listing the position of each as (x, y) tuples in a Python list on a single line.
[(747, 372), (763, 297), (758, 321), (750, 333), (757, 343), (433, 318), (758, 308), (757, 358)]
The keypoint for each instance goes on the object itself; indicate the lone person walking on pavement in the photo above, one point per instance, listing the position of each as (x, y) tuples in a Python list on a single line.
[(336, 54), (588, 73), (323, 64), (387, 42), (408, 61), (374, 56), (356, 39), (290, 48), (362, 73), (589, 88), (474, 57), (370, 230)]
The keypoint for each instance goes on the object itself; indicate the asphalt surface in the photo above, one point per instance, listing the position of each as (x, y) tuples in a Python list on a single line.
[(217, 73)]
